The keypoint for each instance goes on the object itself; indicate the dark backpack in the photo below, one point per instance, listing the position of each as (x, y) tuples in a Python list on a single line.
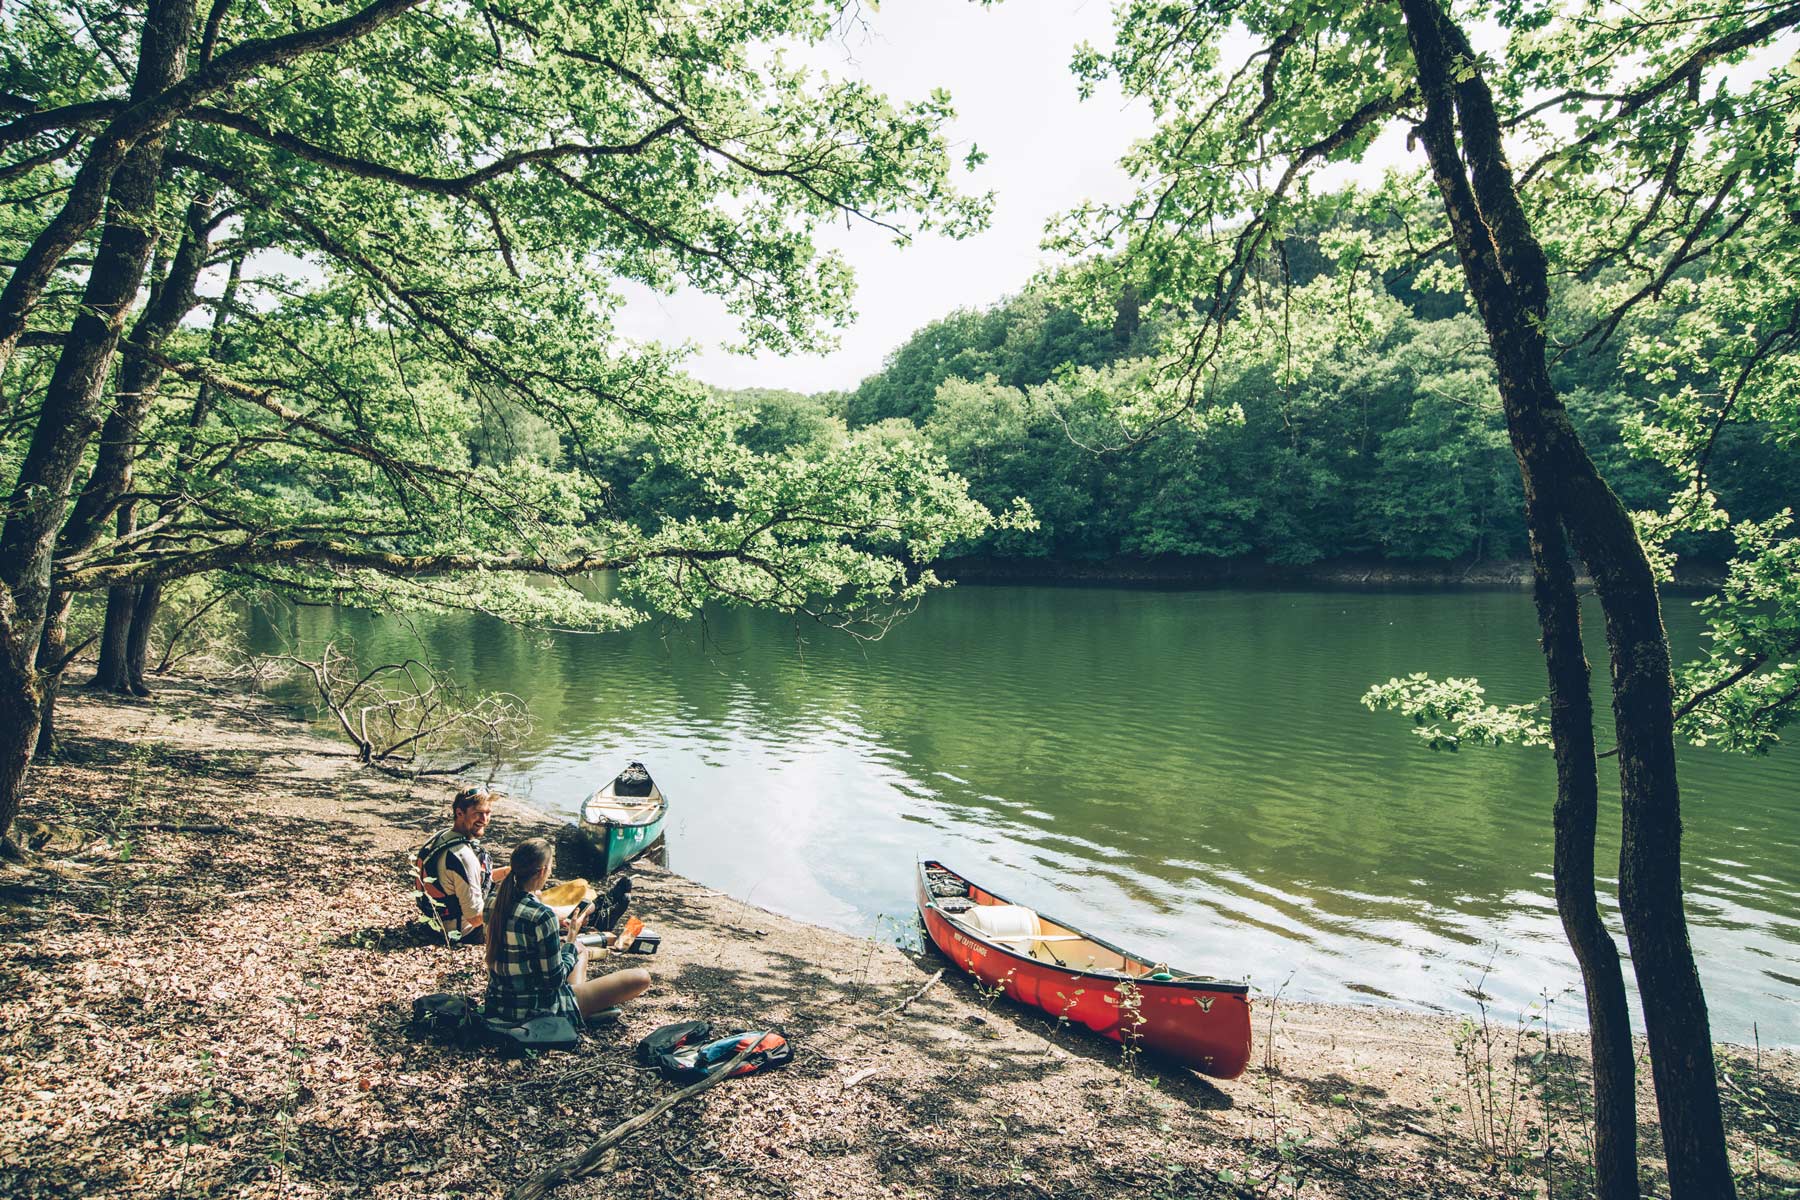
[(449, 1019), (552, 1031), (453, 1020), (632, 782), (687, 1052), (669, 1038)]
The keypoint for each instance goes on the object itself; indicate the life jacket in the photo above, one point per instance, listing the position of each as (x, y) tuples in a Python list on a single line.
[(438, 854)]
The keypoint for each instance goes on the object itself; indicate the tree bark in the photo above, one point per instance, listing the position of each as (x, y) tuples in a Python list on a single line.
[(1576, 820), (149, 595), (137, 642), (113, 672), (50, 650), (1508, 276), (139, 378), (70, 413)]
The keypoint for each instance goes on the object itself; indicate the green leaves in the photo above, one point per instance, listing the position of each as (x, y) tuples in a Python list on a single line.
[(1448, 712), (417, 398), (1656, 172)]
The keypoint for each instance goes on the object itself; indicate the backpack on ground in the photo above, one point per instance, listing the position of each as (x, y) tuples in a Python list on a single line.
[(687, 1052), (452, 1020), (667, 1039), (551, 1031), (447, 1018)]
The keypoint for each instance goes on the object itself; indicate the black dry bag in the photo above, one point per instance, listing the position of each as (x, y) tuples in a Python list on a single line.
[(669, 1038), (549, 1032), (450, 1019)]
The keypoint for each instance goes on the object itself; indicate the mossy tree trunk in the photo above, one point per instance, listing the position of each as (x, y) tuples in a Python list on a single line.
[(71, 412)]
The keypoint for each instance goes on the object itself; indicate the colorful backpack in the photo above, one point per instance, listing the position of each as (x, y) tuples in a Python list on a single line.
[(687, 1052)]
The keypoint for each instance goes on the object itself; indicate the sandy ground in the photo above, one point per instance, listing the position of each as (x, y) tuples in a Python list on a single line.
[(222, 1010)]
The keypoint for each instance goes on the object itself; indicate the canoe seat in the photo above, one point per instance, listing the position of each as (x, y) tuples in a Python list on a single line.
[(625, 813), (1015, 927)]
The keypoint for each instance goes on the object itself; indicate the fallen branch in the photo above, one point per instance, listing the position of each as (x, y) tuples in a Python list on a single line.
[(398, 713), (49, 891), (541, 1183), (1423, 1132), (910, 1000), (402, 773)]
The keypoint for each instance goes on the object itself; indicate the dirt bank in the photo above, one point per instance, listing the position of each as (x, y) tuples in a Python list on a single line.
[(207, 978)]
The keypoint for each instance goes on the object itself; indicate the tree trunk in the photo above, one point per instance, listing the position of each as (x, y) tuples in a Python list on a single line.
[(50, 652), (172, 297), (1576, 820), (149, 595), (1650, 899), (1508, 276), (113, 672), (137, 645), (70, 413), (18, 731)]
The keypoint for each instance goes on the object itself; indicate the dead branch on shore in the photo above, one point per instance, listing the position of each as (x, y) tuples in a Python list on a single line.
[(573, 1168), (396, 713), (912, 999)]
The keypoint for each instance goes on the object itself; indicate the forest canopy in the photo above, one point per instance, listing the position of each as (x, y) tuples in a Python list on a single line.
[(321, 299), (1364, 425)]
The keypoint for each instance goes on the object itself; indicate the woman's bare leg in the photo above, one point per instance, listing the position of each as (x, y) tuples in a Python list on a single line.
[(595, 994)]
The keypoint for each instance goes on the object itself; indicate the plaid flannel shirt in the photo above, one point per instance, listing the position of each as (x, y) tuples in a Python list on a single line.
[(530, 974)]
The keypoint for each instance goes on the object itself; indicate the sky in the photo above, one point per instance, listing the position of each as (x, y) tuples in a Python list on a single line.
[(1006, 67)]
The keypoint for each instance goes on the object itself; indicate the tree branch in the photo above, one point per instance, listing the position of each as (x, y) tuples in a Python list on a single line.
[(1689, 68), (441, 185), (1744, 671)]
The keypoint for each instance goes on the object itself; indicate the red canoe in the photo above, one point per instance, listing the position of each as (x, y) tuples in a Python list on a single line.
[(1200, 1022)]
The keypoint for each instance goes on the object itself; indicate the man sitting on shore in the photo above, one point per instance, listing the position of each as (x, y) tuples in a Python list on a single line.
[(455, 876)]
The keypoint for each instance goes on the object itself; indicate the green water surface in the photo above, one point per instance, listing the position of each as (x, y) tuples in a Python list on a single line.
[(1187, 773)]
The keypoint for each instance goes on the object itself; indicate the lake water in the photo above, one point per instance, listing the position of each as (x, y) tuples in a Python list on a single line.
[(1186, 773)]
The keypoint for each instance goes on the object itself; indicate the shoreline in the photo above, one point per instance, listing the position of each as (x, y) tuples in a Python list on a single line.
[(210, 975), (1348, 574)]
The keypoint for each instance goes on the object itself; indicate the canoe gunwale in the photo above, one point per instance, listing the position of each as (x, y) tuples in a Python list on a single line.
[(1197, 984), (609, 823), (659, 813)]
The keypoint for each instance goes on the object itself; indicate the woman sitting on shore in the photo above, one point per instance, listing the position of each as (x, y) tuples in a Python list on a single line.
[(534, 967)]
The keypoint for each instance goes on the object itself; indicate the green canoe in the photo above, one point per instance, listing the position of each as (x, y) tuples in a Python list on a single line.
[(624, 818)]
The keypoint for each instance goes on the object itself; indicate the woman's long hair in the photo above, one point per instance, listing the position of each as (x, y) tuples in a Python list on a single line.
[(528, 858)]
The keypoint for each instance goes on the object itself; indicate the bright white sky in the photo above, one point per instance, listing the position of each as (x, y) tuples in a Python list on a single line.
[(1007, 69)]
